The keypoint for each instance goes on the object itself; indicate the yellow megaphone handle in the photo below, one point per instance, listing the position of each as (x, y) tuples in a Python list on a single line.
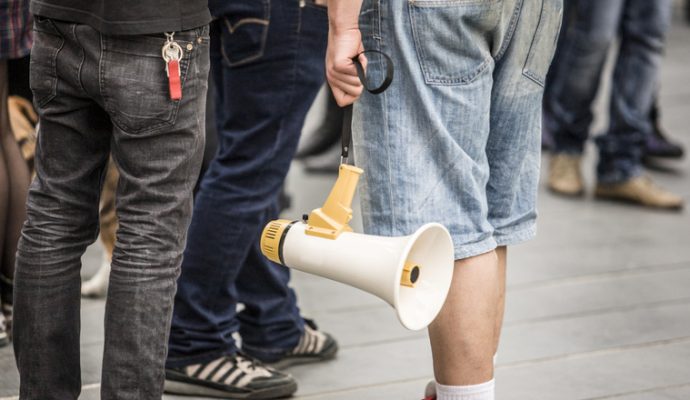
[(333, 217)]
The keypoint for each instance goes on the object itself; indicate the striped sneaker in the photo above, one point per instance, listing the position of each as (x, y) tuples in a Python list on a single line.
[(313, 346), (230, 377), (4, 339)]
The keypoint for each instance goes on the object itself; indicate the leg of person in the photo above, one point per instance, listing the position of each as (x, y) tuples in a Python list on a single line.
[(658, 143), (267, 324), (62, 217), (97, 285), (254, 72), (572, 89), (619, 171), (237, 197), (157, 148), (569, 14), (4, 190), (18, 178), (259, 124), (422, 145), (513, 147)]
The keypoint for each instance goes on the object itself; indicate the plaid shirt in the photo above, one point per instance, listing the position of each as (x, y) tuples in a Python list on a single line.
[(15, 29)]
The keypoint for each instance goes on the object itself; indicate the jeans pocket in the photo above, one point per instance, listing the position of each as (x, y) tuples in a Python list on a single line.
[(544, 42), (43, 74), (134, 83), (244, 30), (450, 38)]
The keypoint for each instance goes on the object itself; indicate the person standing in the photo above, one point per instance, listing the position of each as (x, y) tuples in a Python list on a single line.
[(267, 60), (641, 26), (455, 139), (15, 43), (126, 78)]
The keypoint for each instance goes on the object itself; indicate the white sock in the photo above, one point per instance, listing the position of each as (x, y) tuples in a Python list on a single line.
[(482, 391)]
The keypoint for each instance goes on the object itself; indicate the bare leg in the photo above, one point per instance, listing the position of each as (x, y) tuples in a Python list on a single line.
[(502, 253), (463, 336)]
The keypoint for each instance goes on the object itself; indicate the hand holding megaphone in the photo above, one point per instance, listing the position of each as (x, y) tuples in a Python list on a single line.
[(411, 273)]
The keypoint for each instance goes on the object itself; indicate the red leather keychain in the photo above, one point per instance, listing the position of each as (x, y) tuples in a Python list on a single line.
[(172, 54)]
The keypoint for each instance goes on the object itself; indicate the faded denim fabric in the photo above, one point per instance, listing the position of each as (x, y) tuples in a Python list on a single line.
[(96, 95), (641, 26), (456, 137), (266, 73)]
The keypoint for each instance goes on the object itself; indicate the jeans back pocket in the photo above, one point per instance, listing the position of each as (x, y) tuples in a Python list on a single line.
[(134, 83), (43, 71), (244, 31), (452, 38), (544, 42)]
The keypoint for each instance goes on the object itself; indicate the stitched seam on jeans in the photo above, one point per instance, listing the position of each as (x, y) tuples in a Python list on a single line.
[(264, 36), (83, 58), (511, 31), (422, 57)]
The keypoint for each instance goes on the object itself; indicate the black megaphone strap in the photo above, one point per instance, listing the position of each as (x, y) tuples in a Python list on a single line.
[(346, 138)]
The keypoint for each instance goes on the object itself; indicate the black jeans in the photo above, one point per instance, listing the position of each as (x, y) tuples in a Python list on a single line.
[(97, 95)]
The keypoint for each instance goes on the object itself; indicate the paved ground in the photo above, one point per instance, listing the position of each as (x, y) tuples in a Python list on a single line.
[(598, 304)]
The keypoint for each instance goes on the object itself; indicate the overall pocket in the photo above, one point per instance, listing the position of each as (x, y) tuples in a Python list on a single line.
[(43, 71), (244, 30), (134, 83), (544, 42), (451, 38)]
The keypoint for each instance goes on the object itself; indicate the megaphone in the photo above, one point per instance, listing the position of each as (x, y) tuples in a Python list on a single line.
[(411, 273)]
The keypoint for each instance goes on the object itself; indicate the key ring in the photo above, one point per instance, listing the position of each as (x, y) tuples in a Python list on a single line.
[(171, 51)]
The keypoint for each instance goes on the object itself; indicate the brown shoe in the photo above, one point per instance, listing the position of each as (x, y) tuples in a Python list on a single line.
[(640, 190), (564, 175)]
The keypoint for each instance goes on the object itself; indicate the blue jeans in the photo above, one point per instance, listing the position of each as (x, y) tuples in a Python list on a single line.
[(267, 71), (100, 95), (641, 26), (456, 137)]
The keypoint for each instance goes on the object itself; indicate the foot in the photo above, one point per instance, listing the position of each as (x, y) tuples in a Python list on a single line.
[(97, 286), (564, 175), (6, 290), (658, 145), (313, 346), (430, 391), (230, 377), (4, 338), (640, 190)]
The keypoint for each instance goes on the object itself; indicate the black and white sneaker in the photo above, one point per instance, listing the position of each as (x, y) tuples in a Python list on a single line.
[(4, 338), (313, 346), (230, 377)]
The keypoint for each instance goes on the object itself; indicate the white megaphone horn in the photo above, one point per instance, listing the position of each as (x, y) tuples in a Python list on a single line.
[(411, 273)]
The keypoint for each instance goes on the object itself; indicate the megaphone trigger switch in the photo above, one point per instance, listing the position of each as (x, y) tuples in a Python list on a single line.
[(410, 274)]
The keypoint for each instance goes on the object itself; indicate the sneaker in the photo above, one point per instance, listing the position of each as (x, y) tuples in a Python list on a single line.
[(97, 286), (230, 377), (564, 175), (313, 346), (7, 314), (640, 190), (4, 338), (430, 391)]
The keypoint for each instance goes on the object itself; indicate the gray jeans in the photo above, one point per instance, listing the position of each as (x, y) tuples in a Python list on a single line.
[(97, 95)]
